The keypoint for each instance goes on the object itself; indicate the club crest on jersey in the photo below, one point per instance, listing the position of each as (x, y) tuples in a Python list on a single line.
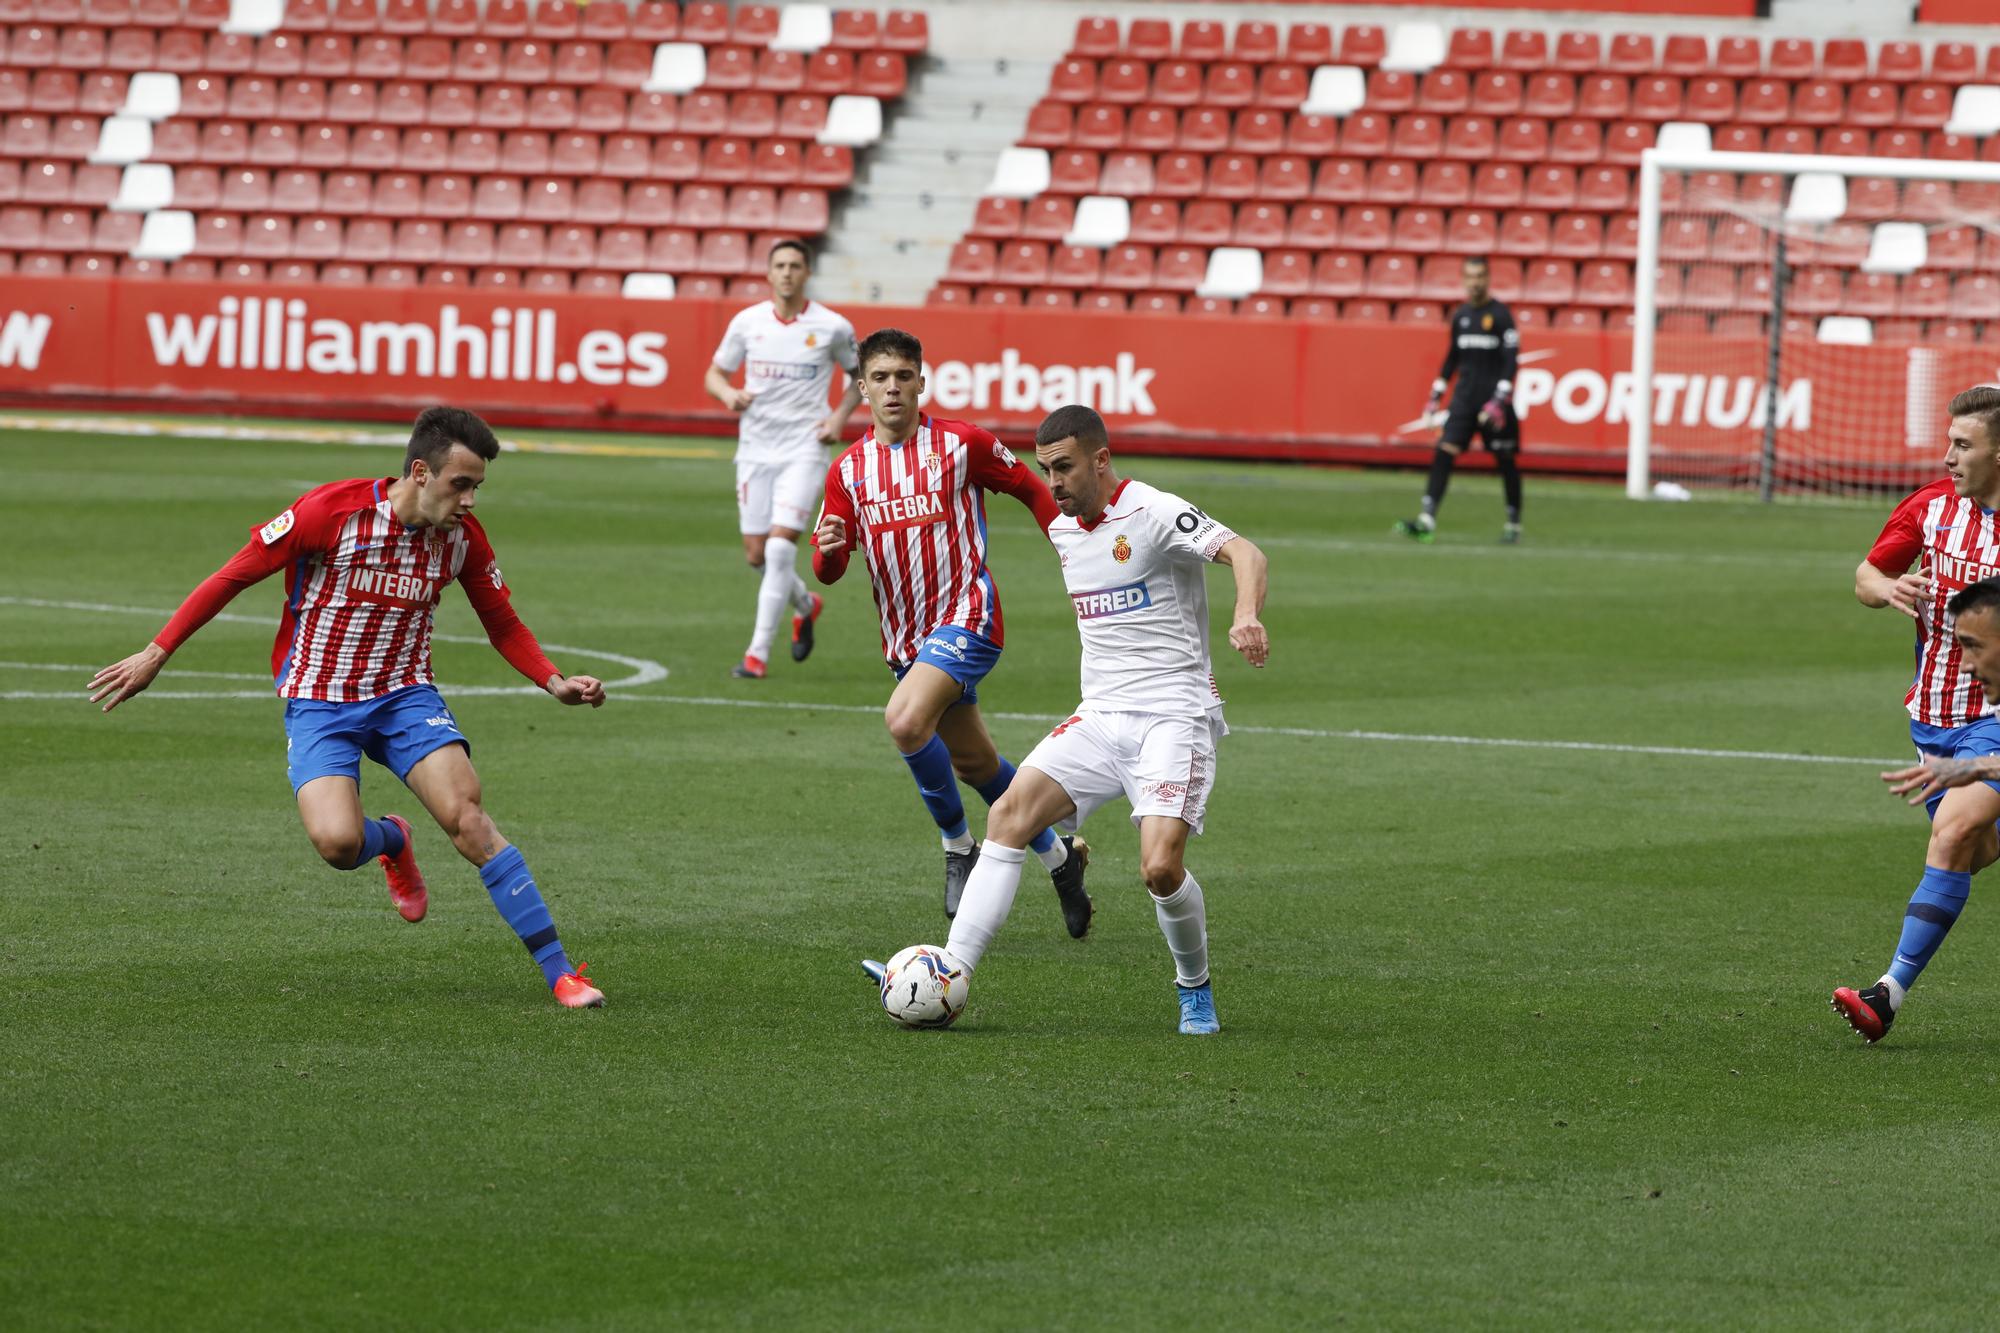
[(1101, 602), (1486, 321), (812, 340), (277, 527), (1121, 550), (933, 463)]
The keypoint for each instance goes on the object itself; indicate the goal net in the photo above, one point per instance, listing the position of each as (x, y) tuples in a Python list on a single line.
[(1801, 321)]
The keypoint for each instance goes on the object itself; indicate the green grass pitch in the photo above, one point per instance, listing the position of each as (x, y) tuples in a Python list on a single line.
[(1513, 1036)]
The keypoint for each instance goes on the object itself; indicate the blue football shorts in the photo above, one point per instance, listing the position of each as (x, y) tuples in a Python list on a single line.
[(395, 730), (964, 656), (1967, 742)]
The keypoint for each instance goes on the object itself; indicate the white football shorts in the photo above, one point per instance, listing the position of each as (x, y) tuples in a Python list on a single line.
[(779, 495), (1163, 764)]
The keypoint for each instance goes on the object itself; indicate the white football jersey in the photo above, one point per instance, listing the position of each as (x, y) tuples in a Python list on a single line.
[(788, 369), (1137, 578)]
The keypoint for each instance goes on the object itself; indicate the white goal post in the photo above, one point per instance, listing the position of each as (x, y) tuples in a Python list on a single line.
[(1800, 320)]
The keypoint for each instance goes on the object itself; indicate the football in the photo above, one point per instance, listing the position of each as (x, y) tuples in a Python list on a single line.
[(924, 987)]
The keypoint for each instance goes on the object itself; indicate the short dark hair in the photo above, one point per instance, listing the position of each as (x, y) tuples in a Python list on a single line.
[(439, 428), (1076, 420), (1981, 596), (1480, 260), (890, 342), (1982, 401), (790, 243)]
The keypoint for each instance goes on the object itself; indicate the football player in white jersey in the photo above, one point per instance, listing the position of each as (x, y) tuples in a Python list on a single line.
[(787, 348), (1134, 560)]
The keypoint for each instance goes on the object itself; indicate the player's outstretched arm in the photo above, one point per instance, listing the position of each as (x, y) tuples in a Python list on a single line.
[(1923, 781), (1250, 568), (1906, 592), (123, 679)]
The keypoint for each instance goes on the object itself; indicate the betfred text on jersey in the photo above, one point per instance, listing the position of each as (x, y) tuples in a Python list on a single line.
[(386, 587), (904, 511), (1111, 601)]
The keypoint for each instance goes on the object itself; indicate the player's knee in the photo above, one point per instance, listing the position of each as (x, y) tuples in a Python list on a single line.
[(1162, 873), (1956, 841), (908, 728), (340, 848), (1008, 823)]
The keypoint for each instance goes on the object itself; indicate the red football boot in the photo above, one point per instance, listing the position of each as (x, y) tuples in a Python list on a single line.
[(1868, 1012), (750, 668), (406, 882), (574, 991)]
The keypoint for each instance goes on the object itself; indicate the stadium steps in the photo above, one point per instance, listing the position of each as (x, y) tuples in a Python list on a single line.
[(923, 179)]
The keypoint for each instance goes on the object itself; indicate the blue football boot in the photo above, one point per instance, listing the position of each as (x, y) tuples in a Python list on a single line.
[(1198, 1010)]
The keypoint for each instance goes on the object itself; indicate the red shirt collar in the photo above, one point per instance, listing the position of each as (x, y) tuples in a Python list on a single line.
[(794, 319), (1123, 482)]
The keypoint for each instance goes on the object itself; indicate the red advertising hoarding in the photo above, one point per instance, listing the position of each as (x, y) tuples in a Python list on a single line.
[(1239, 386)]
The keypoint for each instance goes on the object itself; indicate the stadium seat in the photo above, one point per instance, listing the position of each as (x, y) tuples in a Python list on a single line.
[(1954, 63), (1206, 222), (1444, 92), (1203, 130), (1626, 140), (1524, 233), (1497, 93), (1416, 136), (1524, 50), (1257, 130), (1549, 282), (1155, 222), (1338, 275), (1363, 45), (1439, 278), (1444, 184), (1229, 85), (1551, 186), (1284, 178), (1604, 97), (1470, 139), (1309, 44), (1342, 180), (1498, 185), (1365, 227), (1579, 52), (1523, 140), (1392, 181), (1313, 226), (1657, 98), (1608, 189), (1579, 236), (1631, 53), (1390, 92), (1925, 106), (1471, 231), (1128, 268), (1550, 96), (1131, 175), (1390, 277)]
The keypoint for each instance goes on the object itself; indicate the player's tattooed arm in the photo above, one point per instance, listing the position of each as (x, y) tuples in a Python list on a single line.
[(1906, 592), (1922, 781), (1246, 631)]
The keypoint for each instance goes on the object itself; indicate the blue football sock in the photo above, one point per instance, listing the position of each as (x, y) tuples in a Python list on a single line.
[(938, 785), (378, 838), (520, 904), (996, 786), (1939, 898)]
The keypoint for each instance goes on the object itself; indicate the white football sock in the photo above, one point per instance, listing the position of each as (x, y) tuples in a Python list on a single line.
[(1184, 921), (989, 896), (774, 593), (1052, 860), (962, 843), (802, 598)]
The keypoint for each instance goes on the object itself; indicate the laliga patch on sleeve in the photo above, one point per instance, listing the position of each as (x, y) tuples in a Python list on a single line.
[(276, 528), (1005, 455), (493, 572)]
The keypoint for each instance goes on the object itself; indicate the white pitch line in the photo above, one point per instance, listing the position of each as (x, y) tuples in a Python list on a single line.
[(645, 669)]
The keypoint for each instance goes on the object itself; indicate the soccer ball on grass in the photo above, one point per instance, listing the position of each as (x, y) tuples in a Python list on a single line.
[(924, 987)]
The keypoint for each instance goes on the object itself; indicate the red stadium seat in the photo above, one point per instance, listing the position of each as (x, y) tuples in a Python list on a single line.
[(1338, 275), (1155, 222), (1074, 80), (1470, 139), (1551, 186), (1206, 222), (1469, 49), (1683, 237), (1604, 97), (906, 31), (1444, 184), (1607, 189), (1625, 141), (1417, 136), (1550, 96), (1524, 50), (1685, 55), (1631, 53), (1131, 174), (1391, 277), (1203, 130), (1523, 140), (1872, 103), (1230, 85), (1604, 282), (1285, 177), (1392, 181), (1444, 92), (1363, 44), (1203, 40), (1711, 101), (1315, 136), (1498, 185), (1255, 42), (1096, 38), (1365, 227), (1258, 130), (1365, 135), (948, 294), (1579, 52), (1954, 63), (1926, 106), (1471, 231), (1259, 226), (1549, 282), (1342, 180), (1418, 230), (1577, 141), (1177, 83), (1577, 236), (1048, 218), (1844, 58), (1523, 233), (1312, 226), (1818, 102), (1309, 44), (1023, 263), (1128, 268), (1497, 93), (1657, 97), (1050, 124), (1391, 91), (1735, 58)]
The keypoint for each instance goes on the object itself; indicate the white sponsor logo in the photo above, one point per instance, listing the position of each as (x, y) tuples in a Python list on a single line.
[(1014, 385), (277, 527), (21, 338), (273, 333), (1720, 402), (443, 721), (904, 509)]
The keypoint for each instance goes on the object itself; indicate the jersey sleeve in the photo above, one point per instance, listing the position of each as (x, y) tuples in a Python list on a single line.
[(729, 353), (995, 468), (486, 589), (1902, 540), (1510, 354), (1450, 350), (1187, 532), (305, 528), (838, 503), (843, 349)]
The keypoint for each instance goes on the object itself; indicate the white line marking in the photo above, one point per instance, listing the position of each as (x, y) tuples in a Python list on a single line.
[(644, 669)]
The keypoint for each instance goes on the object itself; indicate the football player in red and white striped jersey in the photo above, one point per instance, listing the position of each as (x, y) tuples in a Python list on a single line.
[(1939, 541), (910, 495), (365, 563)]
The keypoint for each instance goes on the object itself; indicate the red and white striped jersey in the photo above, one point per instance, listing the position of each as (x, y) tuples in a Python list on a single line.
[(917, 511), (360, 593), (1955, 542)]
